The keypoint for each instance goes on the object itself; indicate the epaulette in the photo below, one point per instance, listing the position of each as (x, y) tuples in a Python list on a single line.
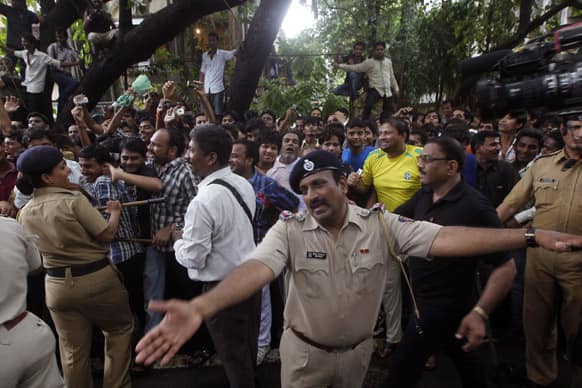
[(375, 208), (287, 215), (548, 155)]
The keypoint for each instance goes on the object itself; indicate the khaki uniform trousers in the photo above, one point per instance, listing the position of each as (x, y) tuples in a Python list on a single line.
[(76, 305), (547, 275), (27, 354), (305, 366), (392, 303)]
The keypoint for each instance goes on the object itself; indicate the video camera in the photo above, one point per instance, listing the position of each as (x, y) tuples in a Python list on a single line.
[(532, 77)]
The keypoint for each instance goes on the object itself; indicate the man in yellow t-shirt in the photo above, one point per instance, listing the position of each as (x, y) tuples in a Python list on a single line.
[(392, 171)]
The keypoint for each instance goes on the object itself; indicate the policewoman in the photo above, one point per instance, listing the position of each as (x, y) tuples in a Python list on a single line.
[(82, 288)]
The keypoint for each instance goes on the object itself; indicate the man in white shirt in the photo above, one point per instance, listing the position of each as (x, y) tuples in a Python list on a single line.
[(212, 72), (27, 344), (218, 237)]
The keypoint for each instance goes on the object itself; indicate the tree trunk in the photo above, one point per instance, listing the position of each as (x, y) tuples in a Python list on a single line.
[(138, 44), (254, 52), (125, 18), (47, 31)]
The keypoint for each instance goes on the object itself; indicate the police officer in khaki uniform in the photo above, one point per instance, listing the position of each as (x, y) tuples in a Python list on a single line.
[(336, 258), (555, 183), (82, 288)]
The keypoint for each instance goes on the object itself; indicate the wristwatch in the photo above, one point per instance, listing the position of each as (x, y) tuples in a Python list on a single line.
[(530, 237)]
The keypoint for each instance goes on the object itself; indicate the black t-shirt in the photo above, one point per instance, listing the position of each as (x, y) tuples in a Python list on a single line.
[(450, 281), (496, 181), (137, 194), (20, 22)]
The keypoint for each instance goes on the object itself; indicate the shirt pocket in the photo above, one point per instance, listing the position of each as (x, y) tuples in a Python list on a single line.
[(312, 277), (368, 273), (546, 191)]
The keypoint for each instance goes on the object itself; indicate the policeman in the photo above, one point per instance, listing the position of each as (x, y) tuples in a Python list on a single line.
[(554, 182), (336, 257), (82, 288)]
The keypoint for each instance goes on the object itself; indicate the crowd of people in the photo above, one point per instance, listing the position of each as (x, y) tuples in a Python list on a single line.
[(154, 201)]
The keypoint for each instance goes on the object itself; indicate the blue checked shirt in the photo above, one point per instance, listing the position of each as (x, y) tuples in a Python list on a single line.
[(105, 190), (271, 199), (179, 189)]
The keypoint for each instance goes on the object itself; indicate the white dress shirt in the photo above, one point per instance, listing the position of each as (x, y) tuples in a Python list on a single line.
[(34, 79), (217, 235), (19, 257), (213, 69)]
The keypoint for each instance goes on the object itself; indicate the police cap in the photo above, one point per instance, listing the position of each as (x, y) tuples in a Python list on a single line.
[(38, 160), (311, 163)]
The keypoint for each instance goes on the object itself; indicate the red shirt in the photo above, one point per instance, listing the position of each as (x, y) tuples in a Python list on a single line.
[(7, 182)]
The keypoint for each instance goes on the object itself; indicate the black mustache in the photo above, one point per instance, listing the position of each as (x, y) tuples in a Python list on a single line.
[(317, 202)]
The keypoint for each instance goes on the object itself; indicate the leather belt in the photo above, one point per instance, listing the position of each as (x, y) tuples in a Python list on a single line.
[(78, 269), (329, 349), (9, 325)]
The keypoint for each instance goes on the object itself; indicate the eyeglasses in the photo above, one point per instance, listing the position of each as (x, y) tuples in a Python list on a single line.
[(429, 159)]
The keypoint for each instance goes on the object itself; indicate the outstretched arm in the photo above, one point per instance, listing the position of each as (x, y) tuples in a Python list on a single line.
[(184, 318), (464, 241)]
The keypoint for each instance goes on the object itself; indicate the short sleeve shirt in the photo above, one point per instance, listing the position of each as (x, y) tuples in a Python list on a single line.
[(335, 286), (394, 179), (556, 191), (213, 69), (66, 225)]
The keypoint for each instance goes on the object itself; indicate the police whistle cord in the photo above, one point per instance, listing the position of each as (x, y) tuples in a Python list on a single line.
[(402, 269), (138, 203)]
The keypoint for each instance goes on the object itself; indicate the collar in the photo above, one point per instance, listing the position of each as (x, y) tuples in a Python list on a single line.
[(352, 217), (453, 195), (279, 164), (169, 165), (220, 173), (560, 157), (41, 191)]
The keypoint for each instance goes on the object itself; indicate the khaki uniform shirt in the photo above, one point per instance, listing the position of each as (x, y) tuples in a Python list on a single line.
[(66, 224), (335, 287), (380, 74), (557, 193)]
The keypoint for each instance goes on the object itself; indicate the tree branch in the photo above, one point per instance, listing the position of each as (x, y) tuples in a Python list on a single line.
[(125, 18), (526, 28)]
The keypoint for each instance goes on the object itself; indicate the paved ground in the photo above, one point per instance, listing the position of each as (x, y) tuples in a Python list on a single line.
[(185, 375)]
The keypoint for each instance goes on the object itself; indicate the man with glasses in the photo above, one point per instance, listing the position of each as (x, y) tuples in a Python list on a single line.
[(554, 182), (443, 288)]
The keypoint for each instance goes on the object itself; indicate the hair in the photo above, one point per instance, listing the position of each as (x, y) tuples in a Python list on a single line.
[(134, 144), (400, 125), (15, 135), (232, 114), (359, 43), (213, 138), (38, 114), (146, 117), (1, 139), (251, 149), (31, 39), (343, 110), (437, 113), (314, 121), (270, 138), (330, 131), (447, 102), (452, 149), (254, 124), (270, 113), (199, 114), (533, 133), (317, 109), (176, 139), (371, 124), (422, 133), (356, 123), (479, 138), (62, 141), (556, 135), (379, 43), (97, 152), (38, 134), (213, 34), (520, 116), (457, 129)]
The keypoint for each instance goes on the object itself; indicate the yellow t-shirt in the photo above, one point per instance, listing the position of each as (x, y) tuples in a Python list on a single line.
[(394, 179)]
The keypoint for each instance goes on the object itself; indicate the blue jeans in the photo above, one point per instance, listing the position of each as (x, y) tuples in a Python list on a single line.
[(350, 87), (217, 102), (67, 86), (154, 283)]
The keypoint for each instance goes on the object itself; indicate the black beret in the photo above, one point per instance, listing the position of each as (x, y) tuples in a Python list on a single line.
[(38, 160), (311, 163)]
